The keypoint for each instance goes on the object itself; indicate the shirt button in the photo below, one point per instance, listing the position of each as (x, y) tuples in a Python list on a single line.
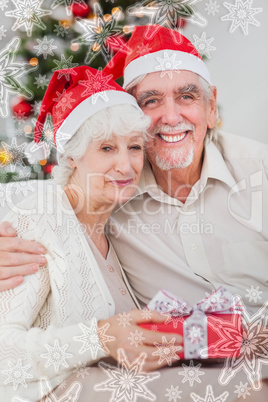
[(110, 268), (193, 246), (122, 291)]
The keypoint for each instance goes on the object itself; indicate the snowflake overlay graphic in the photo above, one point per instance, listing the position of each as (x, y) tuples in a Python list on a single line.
[(2, 32), (3, 4), (167, 13), (241, 14), (173, 393), (195, 334), (146, 314), (100, 35), (64, 100), (254, 348), (60, 29), (242, 390), (136, 338), (94, 338), (10, 75), (71, 394), (17, 374), (28, 14), (167, 64), (254, 294), (81, 370), (124, 319), (209, 396), (41, 81), (45, 47), (93, 84), (212, 7), (191, 373), (166, 351), (64, 64), (203, 45), (14, 154), (56, 355), (127, 382)]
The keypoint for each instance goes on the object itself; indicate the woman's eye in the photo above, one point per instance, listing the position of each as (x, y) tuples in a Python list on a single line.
[(106, 149)]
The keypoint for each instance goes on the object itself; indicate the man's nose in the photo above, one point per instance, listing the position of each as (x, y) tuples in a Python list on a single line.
[(171, 113)]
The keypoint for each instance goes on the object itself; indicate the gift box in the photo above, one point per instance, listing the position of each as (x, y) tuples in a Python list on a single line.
[(211, 329)]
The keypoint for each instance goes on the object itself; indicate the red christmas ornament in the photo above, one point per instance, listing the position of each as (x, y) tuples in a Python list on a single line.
[(80, 10), (48, 168), (22, 108), (181, 23)]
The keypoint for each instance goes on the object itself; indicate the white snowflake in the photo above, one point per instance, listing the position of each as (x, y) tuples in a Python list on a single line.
[(66, 65), (136, 338), (173, 393), (210, 396), (195, 334), (166, 13), (94, 84), (17, 374), (242, 390), (247, 351), (241, 14), (45, 47), (94, 338), (23, 187), (10, 68), (28, 14), (212, 7), (14, 153), (167, 64), (2, 32), (37, 108), (64, 100), (3, 4), (81, 370), (56, 355), (254, 294), (214, 301), (127, 381), (67, 4), (5, 195), (166, 351), (97, 31), (146, 314), (19, 117), (60, 29), (203, 45), (154, 328), (71, 394), (191, 373), (124, 319), (41, 81), (143, 50), (3, 178)]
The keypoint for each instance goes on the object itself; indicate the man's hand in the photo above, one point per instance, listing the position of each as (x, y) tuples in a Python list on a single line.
[(18, 257)]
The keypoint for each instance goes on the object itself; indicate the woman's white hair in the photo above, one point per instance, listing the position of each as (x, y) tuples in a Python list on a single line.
[(114, 120), (207, 89)]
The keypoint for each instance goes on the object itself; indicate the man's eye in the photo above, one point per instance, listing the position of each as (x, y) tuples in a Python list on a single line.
[(136, 147), (187, 97), (150, 102)]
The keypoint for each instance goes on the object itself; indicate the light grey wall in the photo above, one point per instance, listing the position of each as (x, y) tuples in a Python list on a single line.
[(239, 69)]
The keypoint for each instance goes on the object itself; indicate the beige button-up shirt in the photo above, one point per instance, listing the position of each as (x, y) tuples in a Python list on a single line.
[(219, 236)]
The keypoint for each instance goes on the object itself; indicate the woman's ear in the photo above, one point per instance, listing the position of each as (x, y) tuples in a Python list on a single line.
[(71, 162)]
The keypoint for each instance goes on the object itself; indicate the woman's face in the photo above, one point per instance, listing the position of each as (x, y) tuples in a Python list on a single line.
[(109, 171)]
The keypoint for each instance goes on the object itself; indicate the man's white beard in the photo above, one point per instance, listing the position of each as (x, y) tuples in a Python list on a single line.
[(174, 159)]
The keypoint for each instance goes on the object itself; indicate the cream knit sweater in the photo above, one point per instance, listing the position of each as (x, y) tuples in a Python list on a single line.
[(48, 323)]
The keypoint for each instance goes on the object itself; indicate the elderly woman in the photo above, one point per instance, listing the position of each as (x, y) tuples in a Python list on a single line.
[(62, 318)]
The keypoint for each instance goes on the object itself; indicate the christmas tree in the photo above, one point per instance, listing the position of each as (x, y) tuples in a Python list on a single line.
[(65, 35)]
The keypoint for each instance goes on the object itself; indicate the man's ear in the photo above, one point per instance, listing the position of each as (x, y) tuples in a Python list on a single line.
[(212, 108)]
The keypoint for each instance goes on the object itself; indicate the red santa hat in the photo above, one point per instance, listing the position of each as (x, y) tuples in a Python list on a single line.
[(153, 48), (73, 95)]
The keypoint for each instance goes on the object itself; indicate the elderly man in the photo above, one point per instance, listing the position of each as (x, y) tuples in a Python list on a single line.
[(198, 220)]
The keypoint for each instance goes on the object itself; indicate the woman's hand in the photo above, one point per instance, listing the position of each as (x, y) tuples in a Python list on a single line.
[(134, 340), (18, 257)]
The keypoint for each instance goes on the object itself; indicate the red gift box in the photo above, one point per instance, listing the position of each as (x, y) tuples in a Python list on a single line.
[(212, 329)]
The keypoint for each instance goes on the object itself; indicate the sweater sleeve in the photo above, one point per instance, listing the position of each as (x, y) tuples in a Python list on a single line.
[(29, 352)]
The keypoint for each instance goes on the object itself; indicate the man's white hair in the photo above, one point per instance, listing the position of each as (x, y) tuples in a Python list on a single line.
[(114, 120), (207, 89)]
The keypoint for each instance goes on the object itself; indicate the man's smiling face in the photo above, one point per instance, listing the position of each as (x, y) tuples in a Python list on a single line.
[(180, 115)]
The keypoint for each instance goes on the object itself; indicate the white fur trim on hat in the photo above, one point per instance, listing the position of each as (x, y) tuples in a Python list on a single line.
[(165, 60)]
